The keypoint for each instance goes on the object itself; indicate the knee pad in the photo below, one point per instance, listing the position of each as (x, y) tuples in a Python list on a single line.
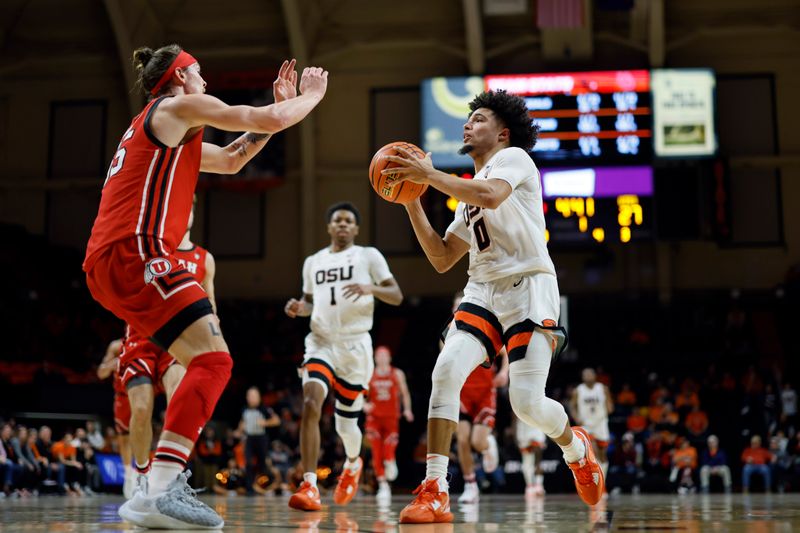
[(538, 411), (348, 430), (461, 354)]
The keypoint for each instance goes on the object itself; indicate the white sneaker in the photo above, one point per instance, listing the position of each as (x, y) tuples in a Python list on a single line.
[(129, 485), (491, 457), (176, 508), (384, 493), (142, 484), (471, 493), (390, 470)]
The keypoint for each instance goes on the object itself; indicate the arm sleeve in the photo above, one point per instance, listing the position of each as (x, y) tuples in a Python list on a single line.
[(513, 166), (458, 226), (308, 282), (378, 267)]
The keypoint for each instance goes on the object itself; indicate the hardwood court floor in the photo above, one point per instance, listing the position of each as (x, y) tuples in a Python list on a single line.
[(758, 512)]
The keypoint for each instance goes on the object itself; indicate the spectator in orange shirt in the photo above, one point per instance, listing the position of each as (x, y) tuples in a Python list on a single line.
[(66, 454), (696, 423), (637, 421), (684, 462), (209, 455), (756, 460), (686, 400), (626, 396)]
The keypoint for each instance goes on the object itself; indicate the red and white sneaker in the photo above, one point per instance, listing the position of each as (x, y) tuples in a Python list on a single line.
[(587, 472), (347, 486), (306, 498), (430, 506)]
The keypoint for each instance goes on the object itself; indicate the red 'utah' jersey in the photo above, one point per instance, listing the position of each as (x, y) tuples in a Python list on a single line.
[(384, 394), (148, 191), (193, 260)]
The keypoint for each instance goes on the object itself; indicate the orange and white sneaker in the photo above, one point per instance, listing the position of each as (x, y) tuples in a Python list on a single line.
[(430, 506), (587, 472), (306, 498), (347, 486)]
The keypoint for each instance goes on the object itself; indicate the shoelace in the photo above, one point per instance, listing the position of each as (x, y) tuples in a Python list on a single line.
[(185, 493), (424, 492), (305, 485), (584, 475)]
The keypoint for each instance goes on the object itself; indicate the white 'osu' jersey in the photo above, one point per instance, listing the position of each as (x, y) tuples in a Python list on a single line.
[(592, 403), (508, 240), (326, 273)]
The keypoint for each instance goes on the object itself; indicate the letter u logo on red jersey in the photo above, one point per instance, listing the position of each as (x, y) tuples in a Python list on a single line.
[(155, 268)]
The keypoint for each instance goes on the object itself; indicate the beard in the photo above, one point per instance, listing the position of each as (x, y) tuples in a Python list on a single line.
[(464, 150)]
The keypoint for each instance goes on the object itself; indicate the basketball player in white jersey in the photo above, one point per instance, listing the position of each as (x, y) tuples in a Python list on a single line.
[(591, 404), (511, 298), (531, 442), (340, 284)]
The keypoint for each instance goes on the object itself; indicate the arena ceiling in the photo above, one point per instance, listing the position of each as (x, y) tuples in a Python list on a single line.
[(56, 38)]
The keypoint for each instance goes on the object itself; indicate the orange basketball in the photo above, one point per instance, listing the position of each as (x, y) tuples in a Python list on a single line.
[(405, 191)]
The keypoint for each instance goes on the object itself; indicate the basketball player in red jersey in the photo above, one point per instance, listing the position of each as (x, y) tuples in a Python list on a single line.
[(386, 390), (122, 410), (147, 370), (130, 266)]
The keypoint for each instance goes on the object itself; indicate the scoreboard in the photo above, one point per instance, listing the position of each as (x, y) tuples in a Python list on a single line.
[(586, 117)]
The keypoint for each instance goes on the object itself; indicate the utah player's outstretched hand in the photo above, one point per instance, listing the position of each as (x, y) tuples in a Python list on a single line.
[(314, 81), (285, 85)]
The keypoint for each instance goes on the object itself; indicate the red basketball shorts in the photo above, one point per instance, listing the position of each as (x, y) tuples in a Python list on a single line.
[(157, 296), (142, 361), (479, 405), (383, 427), (122, 412)]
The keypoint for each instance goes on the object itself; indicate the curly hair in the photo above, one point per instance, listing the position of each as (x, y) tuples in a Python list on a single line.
[(513, 113)]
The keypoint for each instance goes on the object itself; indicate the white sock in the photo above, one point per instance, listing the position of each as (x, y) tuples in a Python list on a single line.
[(436, 468), (539, 479), (128, 471), (604, 467), (162, 473), (575, 450), (528, 467), (352, 465), (311, 478)]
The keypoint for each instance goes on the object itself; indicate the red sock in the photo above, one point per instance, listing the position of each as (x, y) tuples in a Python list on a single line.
[(195, 398), (389, 447), (377, 456)]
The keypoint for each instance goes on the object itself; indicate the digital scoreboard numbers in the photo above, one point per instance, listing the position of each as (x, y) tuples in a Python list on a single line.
[(601, 117), (595, 205)]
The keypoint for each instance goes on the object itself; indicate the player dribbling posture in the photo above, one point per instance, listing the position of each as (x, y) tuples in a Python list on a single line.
[(511, 298), (130, 267), (340, 284), (387, 389), (591, 404), (531, 442)]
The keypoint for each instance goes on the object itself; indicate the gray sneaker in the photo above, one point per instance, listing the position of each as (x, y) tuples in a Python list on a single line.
[(176, 508)]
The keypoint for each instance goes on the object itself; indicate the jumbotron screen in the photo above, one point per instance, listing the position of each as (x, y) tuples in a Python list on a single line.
[(601, 117)]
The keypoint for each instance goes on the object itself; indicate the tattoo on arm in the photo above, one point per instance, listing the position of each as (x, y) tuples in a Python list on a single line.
[(240, 145)]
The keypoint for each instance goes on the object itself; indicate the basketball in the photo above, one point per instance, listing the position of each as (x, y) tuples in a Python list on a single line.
[(407, 190)]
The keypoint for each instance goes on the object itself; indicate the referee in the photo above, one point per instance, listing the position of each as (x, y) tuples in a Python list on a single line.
[(255, 419)]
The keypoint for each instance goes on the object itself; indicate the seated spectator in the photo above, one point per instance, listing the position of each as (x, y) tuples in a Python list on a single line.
[(783, 461), (626, 396), (9, 469), (66, 454), (94, 436), (714, 462), (668, 419), (209, 458), (111, 444), (696, 423), (687, 399), (27, 481), (52, 468), (684, 463), (756, 460), (625, 466), (231, 480), (637, 421), (27, 444)]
